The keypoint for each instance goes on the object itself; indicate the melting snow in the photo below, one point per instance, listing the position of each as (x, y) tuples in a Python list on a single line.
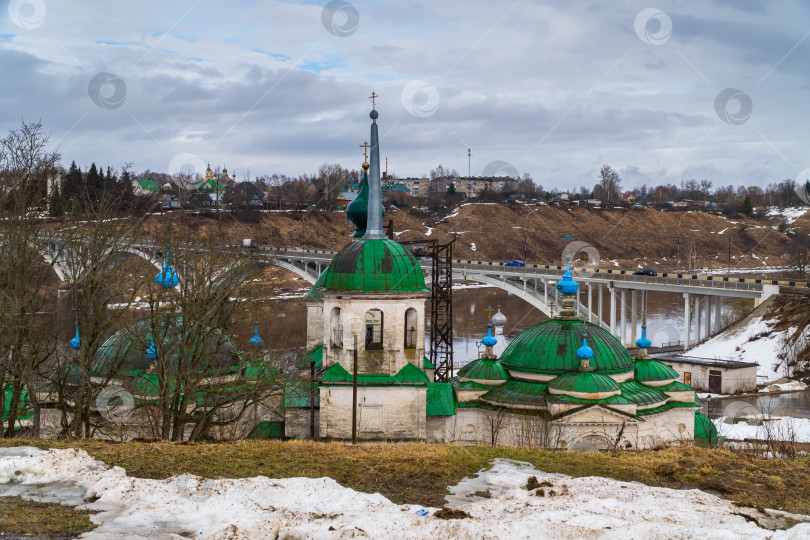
[(758, 426), (261, 507)]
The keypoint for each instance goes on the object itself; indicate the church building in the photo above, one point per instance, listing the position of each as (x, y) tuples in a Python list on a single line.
[(562, 383)]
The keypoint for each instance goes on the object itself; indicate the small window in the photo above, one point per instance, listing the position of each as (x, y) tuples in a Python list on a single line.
[(687, 377), (411, 320), (374, 329)]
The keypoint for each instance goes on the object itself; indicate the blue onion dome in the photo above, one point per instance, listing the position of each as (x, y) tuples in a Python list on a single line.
[(584, 352), (567, 285), (167, 278), (489, 340), (151, 350), (76, 342), (643, 342), (499, 319), (256, 340)]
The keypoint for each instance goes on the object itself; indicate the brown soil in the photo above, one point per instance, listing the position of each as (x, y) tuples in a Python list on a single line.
[(646, 238)]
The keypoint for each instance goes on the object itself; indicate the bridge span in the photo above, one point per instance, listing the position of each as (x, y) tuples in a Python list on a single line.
[(535, 283)]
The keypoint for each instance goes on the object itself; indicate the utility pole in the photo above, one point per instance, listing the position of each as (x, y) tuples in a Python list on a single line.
[(469, 162), (354, 393), (312, 399)]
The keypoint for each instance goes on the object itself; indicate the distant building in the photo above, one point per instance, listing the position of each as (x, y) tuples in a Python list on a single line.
[(715, 376), (144, 186), (473, 186), (418, 187)]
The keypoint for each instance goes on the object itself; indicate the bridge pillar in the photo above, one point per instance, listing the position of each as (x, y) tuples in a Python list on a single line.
[(687, 300), (612, 309), (699, 299), (578, 311), (601, 312), (708, 330), (717, 320), (545, 291), (590, 302), (633, 311), (623, 323)]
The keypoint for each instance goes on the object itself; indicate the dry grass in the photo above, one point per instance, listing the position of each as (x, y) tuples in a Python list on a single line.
[(23, 518), (420, 474)]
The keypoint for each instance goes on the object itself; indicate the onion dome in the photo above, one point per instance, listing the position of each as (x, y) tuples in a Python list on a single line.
[(256, 340), (489, 341), (151, 350), (486, 371), (357, 211), (567, 285), (499, 319), (584, 385), (550, 347), (654, 373), (373, 266), (584, 352), (643, 342), (76, 342), (167, 278)]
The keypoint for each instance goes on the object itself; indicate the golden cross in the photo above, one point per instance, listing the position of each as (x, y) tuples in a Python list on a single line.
[(365, 146), (489, 309), (373, 98)]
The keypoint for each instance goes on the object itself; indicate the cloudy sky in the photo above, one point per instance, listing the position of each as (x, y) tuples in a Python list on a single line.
[(663, 91)]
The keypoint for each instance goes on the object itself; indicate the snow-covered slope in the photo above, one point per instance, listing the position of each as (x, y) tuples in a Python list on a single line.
[(261, 507), (752, 342)]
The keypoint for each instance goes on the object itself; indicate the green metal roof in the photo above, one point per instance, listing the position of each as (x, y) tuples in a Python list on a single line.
[(316, 355), (408, 375), (124, 352), (440, 400), (517, 393), (374, 266), (706, 431), (147, 184), (551, 347), (650, 370), (460, 386), (615, 399), (427, 364), (484, 369), (314, 294), (584, 382), (675, 386), (298, 394), (642, 395)]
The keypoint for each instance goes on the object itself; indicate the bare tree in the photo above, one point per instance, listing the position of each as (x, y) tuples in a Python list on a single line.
[(611, 184)]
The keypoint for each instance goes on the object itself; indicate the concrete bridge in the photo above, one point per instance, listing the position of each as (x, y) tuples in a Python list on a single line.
[(625, 292)]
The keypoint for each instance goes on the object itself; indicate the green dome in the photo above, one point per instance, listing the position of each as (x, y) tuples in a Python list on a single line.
[(483, 369), (373, 266), (705, 431), (649, 370), (585, 382), (125, 352), (551, 347)]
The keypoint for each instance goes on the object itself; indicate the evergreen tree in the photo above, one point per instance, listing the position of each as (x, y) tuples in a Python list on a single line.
[(72, 187), (747, 206), (95, 184), (126, 191), (56, 205)]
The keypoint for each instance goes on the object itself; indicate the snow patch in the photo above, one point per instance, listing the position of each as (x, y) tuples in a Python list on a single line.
[(262, 507)]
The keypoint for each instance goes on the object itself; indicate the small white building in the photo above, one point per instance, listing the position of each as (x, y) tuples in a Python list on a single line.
[(716, 376)]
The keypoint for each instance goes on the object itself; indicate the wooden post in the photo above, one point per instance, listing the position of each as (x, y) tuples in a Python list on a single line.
[(354, 394)]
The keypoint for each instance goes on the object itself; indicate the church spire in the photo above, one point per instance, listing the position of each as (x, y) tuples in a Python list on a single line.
[(374, 229)]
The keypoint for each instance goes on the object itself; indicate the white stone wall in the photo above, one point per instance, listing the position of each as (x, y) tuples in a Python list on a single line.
[(297, 422), (733, 381), (393, 355), (384, 413), (314, 325)]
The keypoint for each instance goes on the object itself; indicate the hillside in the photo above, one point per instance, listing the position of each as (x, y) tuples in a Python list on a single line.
[(629, 239)]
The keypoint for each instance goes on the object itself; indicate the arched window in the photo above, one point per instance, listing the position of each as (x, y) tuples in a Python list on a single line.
[(411, 322), (374, 329), (336, 324)]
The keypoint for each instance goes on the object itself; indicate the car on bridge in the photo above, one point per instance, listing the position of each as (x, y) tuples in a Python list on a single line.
[(515, 263), (645, 272), (296, 249)]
